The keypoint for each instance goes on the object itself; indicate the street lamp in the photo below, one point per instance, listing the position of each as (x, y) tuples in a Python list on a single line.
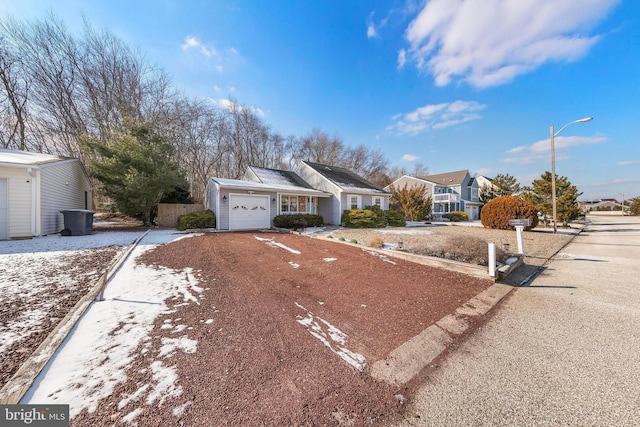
[(553, 165), (622, 203)]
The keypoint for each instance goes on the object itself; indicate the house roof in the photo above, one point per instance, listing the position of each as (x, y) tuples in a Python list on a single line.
[(449, 178), (344, 178), (238, 184), (279, 177), (16, 157)]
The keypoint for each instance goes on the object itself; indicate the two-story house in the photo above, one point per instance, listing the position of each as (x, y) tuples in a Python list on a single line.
[(450, 192)]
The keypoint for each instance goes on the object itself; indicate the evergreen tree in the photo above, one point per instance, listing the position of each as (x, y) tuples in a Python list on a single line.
[(540, 195), (412, 202), (501, 185), (136, 169), (634, 207)]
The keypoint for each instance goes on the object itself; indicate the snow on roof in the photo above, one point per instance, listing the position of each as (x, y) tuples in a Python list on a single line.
[(17, 157), (344, 178), (279, 177), (258, 186)]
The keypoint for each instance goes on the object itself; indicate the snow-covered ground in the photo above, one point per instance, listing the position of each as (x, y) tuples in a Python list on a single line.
[(94, 357)]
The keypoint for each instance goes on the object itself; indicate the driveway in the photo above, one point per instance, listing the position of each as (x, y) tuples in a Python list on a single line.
[(562, 351), (248, 328)]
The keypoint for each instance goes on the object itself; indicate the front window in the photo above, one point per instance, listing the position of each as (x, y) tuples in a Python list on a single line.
[(298, 204), (353, 201), (377, 201)]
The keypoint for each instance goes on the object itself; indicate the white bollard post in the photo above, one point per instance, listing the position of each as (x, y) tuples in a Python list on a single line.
[(519, 229), (492, 259)]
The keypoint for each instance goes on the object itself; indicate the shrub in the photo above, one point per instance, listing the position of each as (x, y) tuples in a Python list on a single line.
[(361, 218), (200, 219), (297, 221), (457, 216), (354, 241), (395, 218), (497, 212), (376, 242), (372, 217)]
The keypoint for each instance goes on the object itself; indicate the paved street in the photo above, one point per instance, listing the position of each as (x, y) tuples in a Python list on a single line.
[(563, 351)]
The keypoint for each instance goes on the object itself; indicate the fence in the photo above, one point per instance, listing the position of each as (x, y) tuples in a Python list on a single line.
[(168, 213)]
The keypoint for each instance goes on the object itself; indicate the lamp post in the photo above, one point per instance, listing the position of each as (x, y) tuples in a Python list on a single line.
[(553, 165), (622, 203)]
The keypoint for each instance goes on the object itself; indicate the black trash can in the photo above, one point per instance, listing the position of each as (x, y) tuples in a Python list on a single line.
[(77, 222)]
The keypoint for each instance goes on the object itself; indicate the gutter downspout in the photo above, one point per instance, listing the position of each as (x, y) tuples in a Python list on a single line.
[(32, 174)]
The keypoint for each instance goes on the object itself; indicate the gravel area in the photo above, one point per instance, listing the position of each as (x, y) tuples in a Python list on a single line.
[(539, 244)]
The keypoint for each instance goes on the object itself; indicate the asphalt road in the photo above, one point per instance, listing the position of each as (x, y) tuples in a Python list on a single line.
[(564, 350)]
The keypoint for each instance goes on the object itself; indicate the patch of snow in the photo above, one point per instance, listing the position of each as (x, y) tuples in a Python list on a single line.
[(57, 243), (401, 231), (382, 257), (312, 230), (331, 337), (170, 345), (132, 415), (329, 259), (293, 264), (271, 242), (94, 358), (209, 321)]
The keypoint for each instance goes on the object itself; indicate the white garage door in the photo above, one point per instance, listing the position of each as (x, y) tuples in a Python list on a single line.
[(247, 212), (4, 211)]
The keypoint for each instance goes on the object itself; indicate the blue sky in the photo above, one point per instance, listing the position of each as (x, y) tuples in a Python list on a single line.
[(451, 84)]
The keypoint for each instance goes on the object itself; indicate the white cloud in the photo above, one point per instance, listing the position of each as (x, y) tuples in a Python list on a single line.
[(371, 28), (191, 42), (629, 163), (216, 88), (436, 116), (540, 150), (490, 42), (402, 58), (409, 158)]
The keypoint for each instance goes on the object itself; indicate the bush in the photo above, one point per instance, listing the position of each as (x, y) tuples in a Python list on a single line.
[(362, 218), (457, 216), (497, 212), (376, 242), (200, 219), (372, 217), (297, 221), (395, 218)]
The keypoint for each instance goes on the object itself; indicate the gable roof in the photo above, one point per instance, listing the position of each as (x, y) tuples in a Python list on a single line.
[(24, 158), (279, 177), (344, 178), (449, 178), (238, 184)]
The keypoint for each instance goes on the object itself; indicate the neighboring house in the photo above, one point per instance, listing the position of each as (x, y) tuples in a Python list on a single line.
[(450, 192), (253, 202), (34, 188), (483, 182), (600, 205), (349, 190)]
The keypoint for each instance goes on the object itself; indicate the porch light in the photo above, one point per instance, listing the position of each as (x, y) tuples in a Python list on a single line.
[(224, 198), (273, 200)]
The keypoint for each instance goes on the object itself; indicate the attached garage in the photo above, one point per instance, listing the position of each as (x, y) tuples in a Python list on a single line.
[(247, 205), (249, 212)]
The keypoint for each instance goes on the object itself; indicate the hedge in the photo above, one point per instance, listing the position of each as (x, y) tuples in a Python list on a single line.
[(297, 221), (200, 219), (457, 216)]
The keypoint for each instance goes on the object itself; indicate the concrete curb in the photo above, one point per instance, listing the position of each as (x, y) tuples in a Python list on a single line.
[(19, 384), (406, 361)]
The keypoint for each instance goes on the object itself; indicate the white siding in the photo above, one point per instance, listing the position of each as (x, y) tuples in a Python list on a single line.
[(4, 212), (62, 186), (19, 201)]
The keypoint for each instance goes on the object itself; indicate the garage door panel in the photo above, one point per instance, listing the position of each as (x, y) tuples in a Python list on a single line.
[(249, 212)]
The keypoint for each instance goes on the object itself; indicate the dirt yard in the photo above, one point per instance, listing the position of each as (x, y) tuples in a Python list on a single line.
[(286, 331)]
